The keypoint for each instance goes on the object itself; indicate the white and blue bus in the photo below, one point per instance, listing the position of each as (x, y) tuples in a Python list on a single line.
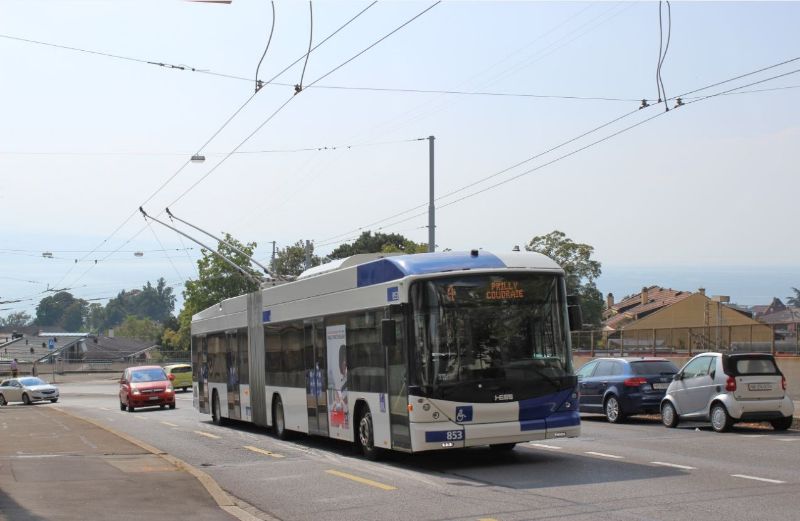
[(408, 352)]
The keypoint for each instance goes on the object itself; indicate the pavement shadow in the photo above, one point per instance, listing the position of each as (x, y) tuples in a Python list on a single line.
[(525, 467), (11, 510)]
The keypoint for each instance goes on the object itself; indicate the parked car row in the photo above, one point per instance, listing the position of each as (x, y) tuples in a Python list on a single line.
[(712, 387)]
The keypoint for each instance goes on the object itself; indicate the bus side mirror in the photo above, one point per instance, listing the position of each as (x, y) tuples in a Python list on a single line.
[(388, 333), (574, 313)]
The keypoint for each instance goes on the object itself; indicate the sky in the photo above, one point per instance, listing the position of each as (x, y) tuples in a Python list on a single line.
[(701, 195)]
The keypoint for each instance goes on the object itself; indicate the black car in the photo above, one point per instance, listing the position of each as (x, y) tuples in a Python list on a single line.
[(619, 387)]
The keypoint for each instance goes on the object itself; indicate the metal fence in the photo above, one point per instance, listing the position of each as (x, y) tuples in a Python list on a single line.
[(779, 339)]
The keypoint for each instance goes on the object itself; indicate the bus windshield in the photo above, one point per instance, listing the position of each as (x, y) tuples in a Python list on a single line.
[(480, 337)]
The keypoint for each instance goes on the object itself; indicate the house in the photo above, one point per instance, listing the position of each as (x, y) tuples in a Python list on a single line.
[(638, 306)]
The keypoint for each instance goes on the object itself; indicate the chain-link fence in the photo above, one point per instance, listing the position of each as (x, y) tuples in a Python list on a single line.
[(769, 338)]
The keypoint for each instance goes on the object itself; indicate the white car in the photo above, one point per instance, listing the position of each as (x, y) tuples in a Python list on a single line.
[(725, 389), (27, 390)]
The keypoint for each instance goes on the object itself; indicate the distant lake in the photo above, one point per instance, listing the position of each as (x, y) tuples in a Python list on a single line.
[(745, 285)]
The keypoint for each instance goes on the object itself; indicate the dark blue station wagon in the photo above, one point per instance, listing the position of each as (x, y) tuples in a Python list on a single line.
[(619, 387)]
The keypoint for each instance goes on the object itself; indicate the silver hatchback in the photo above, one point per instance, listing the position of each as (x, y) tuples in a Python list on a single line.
[(725, 389)]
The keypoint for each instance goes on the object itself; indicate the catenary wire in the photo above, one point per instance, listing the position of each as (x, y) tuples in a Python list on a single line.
[(134, 212), (299, 86), (269, 40), (331, 240)]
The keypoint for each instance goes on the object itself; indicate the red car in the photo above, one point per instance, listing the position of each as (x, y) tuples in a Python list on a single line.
[(145, 386)]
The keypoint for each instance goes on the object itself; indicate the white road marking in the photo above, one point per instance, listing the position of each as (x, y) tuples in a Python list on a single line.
[(788, 439), (543, 446), (744, 476), (169, 424), (104, 409), (673, 465), (604, 455), (752, 435)]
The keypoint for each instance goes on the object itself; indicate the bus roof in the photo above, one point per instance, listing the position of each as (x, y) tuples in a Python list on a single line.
[(373, 268)]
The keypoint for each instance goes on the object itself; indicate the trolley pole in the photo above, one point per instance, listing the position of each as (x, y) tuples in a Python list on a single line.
[(431, 207)]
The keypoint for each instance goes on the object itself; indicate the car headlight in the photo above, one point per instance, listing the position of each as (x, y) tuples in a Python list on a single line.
[(137, 391), (169, 390)]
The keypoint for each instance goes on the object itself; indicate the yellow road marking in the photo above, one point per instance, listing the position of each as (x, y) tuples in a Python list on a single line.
[(361, 480), (207, 434), (262, 451), (488, 518), (169, 424)]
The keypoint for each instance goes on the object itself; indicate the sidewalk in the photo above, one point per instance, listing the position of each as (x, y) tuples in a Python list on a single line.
[(54, 466)]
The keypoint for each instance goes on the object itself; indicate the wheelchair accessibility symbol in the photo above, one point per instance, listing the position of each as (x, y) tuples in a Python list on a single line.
[(464, 414)]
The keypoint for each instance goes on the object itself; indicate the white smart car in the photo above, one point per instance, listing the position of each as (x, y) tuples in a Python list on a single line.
[(725, 389), (27, 390)]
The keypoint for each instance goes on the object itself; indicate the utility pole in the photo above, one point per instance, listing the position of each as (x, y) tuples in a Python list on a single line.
[(431, 207), (272, 260), (308, 254)]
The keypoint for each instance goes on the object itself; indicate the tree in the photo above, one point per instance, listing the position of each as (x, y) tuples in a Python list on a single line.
[(216, 282), (377, 243), (581, 271), (19, 319), (61, 310), (795, 300), (140, 329), (290, 261)]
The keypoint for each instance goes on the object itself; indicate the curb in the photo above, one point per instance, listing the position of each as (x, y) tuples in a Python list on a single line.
[(222, 498)]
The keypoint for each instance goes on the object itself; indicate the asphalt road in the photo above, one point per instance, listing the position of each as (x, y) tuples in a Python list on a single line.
[(635, 471)]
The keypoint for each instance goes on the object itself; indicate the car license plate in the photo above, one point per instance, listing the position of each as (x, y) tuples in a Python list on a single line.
[(660, 386), (153, 398), (759, 387)]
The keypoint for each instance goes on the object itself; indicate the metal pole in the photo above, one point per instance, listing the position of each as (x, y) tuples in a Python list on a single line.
[(245, 274), (431, 208), (308, 254), (229, 245)]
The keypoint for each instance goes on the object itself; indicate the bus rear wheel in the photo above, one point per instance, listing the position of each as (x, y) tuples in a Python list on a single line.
[(365, 436), (278, 420), (216, 417)]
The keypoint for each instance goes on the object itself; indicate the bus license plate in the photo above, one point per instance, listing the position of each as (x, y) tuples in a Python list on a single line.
[(437, 436)]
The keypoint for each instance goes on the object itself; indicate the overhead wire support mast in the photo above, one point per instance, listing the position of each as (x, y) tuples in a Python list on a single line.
[(226, 243), (246, 274)]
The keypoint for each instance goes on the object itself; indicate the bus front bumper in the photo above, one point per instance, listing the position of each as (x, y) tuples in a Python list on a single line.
[(449, 435)]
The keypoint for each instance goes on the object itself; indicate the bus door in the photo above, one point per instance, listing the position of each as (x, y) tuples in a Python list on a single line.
[(232, 375), (202, 381), (315, 361), (397, 371)]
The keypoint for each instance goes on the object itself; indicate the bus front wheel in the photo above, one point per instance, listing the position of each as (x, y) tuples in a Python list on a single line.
[(365, 436)]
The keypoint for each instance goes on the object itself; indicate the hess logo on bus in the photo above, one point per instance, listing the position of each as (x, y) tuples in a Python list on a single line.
[(503, 397)]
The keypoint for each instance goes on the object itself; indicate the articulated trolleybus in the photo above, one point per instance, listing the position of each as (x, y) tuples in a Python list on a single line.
[(408, 352)]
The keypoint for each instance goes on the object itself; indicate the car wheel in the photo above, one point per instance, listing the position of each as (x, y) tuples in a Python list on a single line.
[(366, 436), (26, 399), (122, 406), (2, 400), (721, 421), (669, 416), (172, 406), (185, 389), (53, 400), (782, 424), (612, 410), (130, 408), (278, 422), (503, 447), (162, 406)]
